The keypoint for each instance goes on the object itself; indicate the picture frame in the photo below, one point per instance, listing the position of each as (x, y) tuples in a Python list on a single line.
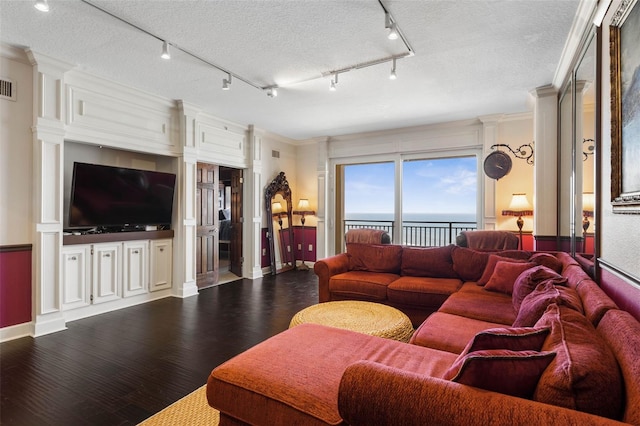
[(624, 50)]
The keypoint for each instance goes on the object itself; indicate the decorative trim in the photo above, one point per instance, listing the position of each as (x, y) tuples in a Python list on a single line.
[(632, 279), (16, 247), (523, 152)]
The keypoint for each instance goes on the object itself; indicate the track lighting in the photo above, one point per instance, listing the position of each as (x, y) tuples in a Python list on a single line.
[(391, 26), (393, 75), (165, 51), (334, 81), (42, 5), (226, 83), (272, 92)]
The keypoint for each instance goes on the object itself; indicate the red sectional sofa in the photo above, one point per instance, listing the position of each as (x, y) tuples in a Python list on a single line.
[(538, 343)]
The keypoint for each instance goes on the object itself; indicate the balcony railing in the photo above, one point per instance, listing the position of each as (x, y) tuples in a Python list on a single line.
[(416, 233)]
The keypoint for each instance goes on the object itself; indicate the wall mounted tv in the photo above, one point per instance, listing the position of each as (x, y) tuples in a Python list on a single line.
[(117, 198)]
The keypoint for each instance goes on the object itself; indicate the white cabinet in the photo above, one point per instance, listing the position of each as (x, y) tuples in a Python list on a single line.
[(76, 273), (106, 272), (114, 271), (135, 267), (161, 265)]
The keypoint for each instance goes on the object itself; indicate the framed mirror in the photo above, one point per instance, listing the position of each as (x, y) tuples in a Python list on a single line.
[(278, 191)]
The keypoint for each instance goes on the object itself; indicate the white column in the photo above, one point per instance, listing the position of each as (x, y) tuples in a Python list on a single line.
[(48, 140), (253, 197), (545, 132), (184, 239), (322, 227)]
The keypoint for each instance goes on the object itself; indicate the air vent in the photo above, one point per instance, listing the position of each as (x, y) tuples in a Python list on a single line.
[(7, 90), (275, 154)]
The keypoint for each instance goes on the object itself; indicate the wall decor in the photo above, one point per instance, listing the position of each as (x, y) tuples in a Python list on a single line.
[(624, 34)]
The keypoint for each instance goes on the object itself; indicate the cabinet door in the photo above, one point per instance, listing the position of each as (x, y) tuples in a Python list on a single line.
[(106, 276), (161, 265), (76, 276), (135, 266)]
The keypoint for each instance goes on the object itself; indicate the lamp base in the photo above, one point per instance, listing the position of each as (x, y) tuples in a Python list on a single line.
[(303, 267)]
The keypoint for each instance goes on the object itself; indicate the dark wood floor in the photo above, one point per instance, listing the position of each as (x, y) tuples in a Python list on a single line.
[(121, 367)]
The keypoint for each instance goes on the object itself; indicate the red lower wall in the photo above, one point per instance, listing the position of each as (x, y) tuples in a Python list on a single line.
[(15, 285)]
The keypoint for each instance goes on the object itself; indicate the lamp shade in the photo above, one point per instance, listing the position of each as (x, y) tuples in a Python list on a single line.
[(519, 206), (588, 203), (276, 207), (303, 204)]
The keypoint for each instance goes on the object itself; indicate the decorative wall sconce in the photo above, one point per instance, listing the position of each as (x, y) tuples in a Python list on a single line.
[(590, 148), (303, 209), (524, 151), (519, 207)]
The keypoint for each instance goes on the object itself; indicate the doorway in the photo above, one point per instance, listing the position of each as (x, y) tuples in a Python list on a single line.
[(219, 225)]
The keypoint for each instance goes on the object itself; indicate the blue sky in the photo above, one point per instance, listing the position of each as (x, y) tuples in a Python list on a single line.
[(446, 185)]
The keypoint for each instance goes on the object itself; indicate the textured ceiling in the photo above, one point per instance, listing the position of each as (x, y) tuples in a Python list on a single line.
[(472, 57)]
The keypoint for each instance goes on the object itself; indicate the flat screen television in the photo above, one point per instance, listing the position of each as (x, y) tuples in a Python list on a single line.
[(119, 198)]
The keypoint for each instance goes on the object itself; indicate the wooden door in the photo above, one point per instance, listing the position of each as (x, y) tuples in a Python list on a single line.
[(207, 262), (235, 254)]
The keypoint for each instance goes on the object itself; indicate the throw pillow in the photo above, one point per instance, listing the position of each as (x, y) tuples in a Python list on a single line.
[(505, 274), (585, 375), (375, 257), (548, 260), (529, 280), (512, 338), (535, 304), (469, 264), (491, 266), (434, 262), (513, 373)]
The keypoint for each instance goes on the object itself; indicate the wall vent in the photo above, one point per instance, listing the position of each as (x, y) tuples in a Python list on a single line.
[(275, 154), (7, 89)]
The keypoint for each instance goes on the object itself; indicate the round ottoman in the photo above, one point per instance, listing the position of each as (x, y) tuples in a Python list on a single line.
[(364, 317)]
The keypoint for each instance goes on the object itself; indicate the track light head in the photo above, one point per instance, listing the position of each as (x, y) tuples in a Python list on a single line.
[(393, 32), (334, 82), (42, 5), (226, 83), (393, 74), (272, 92), (165, 51)]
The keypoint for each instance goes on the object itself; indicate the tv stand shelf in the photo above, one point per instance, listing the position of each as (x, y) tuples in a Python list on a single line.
[(116, 236)]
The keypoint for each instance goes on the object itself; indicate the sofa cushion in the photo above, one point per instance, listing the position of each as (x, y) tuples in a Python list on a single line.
[(584, 375), (492, 261), (448, 332), (433, 262), (362, 285), (535, 304), (505, 274), (548, 260), (529, 280), (510, 338), (469, 264), (509, 372), (594, 300), (375, 257), (422, 290), (482, 305)]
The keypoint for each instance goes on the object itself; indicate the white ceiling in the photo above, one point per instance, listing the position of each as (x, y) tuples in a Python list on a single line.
[(472, 57)]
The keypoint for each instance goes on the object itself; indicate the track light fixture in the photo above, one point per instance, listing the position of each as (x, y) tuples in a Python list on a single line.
[(334, 82), (393, 75), (226, 83), (391, 26), (42, 5), (272, 92), (165, 51)]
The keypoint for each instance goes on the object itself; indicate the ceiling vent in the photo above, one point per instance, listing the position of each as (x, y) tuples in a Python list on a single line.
[(7, 89)]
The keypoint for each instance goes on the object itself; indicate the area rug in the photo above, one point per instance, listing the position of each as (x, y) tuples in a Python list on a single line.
[(191, 410)]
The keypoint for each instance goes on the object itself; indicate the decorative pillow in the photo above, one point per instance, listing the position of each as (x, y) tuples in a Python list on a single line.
[(529, 280), (585, 375), (509, 372), (534, 305), (491, 266), (548, 260), (505, 274), (374, 257), (428, 262), (513, 339), (469, 264)]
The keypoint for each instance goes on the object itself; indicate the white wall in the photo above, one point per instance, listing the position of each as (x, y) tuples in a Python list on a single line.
[(16, 150)]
